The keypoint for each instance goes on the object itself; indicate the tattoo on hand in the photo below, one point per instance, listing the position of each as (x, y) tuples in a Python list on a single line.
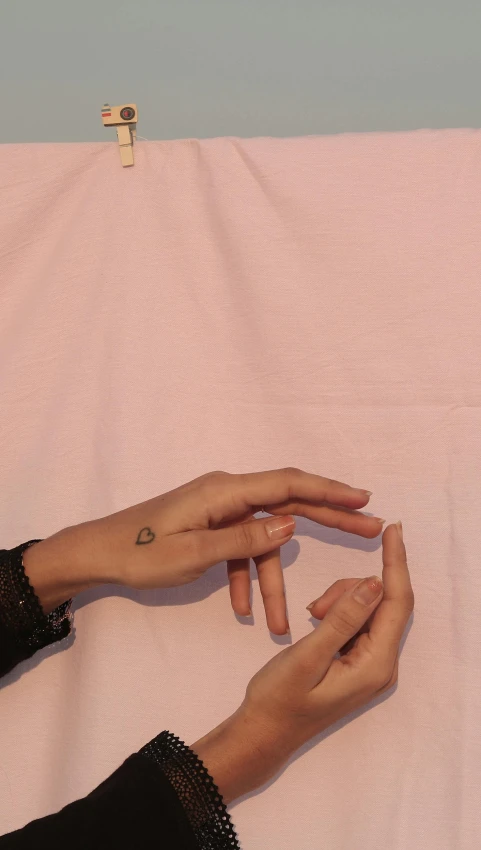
[(146, 535)]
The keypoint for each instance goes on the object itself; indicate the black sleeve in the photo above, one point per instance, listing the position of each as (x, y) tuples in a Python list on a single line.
[(162, 796), (24, 628), (167, 802), (135, 807)]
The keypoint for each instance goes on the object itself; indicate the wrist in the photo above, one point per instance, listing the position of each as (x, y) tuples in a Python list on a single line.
[(57, 568), (240, 755)]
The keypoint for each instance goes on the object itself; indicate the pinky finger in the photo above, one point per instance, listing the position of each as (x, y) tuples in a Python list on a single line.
[(238, 573)]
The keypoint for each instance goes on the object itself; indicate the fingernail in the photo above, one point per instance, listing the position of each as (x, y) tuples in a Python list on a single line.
[(311, 606), (366, 493), (287, 631), (378, 519), (399, 527), (368, 590), (280, 527)]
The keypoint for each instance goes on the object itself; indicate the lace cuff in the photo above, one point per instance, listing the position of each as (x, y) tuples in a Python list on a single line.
[(20, 610), (195, 788)]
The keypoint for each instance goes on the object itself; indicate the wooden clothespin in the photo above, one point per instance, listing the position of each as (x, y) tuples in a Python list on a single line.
[(124, 119)]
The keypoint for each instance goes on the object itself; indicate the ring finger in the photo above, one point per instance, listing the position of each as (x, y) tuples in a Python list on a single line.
[(271, 584)]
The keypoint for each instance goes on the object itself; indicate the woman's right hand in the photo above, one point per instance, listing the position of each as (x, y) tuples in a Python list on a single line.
[(307, 687)]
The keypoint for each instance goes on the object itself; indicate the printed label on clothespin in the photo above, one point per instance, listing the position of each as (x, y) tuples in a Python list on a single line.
[(124, 118)]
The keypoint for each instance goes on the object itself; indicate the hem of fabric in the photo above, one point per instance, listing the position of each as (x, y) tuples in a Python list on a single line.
[(26, 619), (199, 795)]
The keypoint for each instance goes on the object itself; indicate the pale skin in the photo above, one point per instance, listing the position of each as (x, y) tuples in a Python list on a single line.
[(174, 538), (306, 688)]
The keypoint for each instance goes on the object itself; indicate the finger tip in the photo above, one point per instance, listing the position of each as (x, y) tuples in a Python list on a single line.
[(280, 632), (245, 612)]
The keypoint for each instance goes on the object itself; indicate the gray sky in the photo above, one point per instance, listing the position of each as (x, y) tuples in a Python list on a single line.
[(200, 68)]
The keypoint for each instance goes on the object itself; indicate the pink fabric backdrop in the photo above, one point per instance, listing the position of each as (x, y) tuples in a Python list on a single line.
[(243, 305)]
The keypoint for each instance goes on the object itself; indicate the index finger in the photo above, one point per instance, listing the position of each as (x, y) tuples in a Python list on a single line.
[(391, 617), (276, 486)]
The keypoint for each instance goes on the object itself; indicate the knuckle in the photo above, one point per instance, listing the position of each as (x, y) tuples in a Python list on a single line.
[(291, 472), (291, 476), (382, 677), (375, 681), (216, 475), (269, 595), (211, 481), (344, 624), (392, 680), (244, 538)]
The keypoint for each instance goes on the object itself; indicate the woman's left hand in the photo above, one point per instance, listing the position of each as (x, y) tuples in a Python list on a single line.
[(174, 538)]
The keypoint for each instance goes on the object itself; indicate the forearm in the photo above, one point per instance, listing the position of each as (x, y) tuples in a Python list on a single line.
[(240, 756)]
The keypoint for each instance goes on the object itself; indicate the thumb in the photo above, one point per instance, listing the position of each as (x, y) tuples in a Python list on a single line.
[(245, 540), (343, 620), (349, 614)]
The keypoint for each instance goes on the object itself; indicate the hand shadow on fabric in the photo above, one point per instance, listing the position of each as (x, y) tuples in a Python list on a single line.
[(213, 580), (331, 730)]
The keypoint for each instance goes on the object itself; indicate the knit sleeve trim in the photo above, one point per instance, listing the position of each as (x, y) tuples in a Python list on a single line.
[(196, 790), (20, 610)]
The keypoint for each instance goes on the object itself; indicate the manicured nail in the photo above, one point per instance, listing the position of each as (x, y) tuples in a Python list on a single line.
[(378, 519), (368, 590), (280, 527), (311, 606), (399, 527), (366, 493)]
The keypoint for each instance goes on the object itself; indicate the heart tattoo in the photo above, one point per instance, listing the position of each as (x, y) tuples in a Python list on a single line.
[(145, 536)]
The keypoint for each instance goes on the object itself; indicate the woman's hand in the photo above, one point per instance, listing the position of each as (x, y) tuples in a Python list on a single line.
[(307, 687), (173, 539)]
